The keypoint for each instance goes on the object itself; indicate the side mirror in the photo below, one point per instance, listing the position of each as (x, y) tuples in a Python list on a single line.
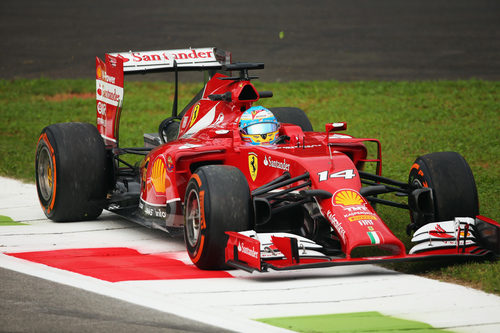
[(336, 127)]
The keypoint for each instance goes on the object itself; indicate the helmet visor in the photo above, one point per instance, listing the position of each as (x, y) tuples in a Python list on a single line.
[(261, 128)]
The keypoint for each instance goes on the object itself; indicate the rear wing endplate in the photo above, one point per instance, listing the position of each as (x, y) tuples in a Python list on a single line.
[(110, 78)]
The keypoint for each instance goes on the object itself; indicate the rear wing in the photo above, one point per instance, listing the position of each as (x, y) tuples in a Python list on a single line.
[(167, 60), (110, 77)]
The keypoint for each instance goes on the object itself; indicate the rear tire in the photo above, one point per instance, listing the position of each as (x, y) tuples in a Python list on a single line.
[(294, 116), (217, 200), (70, 167), (452, 183), (169, 129)]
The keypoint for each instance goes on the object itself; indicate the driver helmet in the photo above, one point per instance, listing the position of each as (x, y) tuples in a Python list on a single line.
[(258, 125)]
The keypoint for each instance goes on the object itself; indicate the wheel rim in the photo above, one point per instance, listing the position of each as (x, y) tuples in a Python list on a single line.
[(45, 176), (193, 218), (417, 184)]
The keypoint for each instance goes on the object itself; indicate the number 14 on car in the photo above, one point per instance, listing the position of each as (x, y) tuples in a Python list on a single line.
[(346, 174)]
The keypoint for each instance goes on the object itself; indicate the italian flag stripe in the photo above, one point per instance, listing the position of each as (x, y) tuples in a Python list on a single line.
[(374, 237)]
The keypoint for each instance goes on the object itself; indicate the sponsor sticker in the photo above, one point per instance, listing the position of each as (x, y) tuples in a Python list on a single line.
[(253, 165), (99, 72), (170, 164), (101, 75), (194, 115), (295, 147), (200, 122), (282, 165), (108, 93), (347, 198), (336, 224), (365, 222), (440, 232), (101, 108), (144, 60), (356, 210), (220, 119), (184, 122), (152, 210), (166, 56), (374, 236), (158, 175), (362, 217), (248, 251)]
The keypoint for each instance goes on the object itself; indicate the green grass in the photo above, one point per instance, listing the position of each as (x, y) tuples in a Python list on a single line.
[(409, 118), (349, 322), (5, 220)]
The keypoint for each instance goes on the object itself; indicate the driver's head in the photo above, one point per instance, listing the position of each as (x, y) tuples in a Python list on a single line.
[(258, 125)]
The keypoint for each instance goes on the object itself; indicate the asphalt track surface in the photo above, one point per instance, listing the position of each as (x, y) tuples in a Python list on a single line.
[(45, 306), (322, 39)]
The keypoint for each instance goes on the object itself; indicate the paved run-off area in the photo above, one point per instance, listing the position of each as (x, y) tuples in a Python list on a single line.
[(119, 259)]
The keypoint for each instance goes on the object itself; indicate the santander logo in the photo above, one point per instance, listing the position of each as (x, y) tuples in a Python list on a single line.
[(123, 58), (282, 165), (161, 56), (440, 232), (248, 251)]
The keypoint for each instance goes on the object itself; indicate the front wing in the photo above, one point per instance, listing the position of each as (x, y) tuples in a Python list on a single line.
[(458, 238)]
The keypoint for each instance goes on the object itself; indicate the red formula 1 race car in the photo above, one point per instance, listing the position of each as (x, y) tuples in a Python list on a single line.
[(252, 188)]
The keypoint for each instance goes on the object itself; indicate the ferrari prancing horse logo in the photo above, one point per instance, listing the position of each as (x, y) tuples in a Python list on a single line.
[(253, 165), (194, 115)]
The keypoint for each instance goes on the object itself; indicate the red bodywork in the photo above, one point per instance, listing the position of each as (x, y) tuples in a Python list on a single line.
[(209, 135), (216, 139)]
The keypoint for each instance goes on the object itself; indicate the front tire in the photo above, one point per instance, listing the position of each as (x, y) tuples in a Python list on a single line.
[(70, 167), (452, 183), (217, 200)]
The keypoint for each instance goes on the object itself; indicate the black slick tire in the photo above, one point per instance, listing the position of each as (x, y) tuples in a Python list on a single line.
[(453, 187), (217, 200), (294, 116), (71, 169)]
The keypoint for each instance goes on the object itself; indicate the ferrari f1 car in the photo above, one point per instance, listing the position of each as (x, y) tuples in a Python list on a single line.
[(305, 201)]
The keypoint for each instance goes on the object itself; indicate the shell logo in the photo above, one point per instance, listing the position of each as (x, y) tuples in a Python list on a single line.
[(348, 198), (158, 176)]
